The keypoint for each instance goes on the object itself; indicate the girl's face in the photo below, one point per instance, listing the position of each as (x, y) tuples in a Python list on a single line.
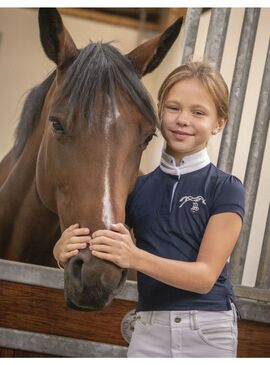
[(189, 118)]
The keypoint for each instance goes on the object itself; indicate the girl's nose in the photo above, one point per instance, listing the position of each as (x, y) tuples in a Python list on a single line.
[(182, 119)]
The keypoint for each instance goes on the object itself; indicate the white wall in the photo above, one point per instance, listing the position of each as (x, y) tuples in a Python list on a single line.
[(23, 64)]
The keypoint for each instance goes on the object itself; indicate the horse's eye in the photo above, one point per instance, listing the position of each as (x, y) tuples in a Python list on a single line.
[(148, 139), (57, 126)]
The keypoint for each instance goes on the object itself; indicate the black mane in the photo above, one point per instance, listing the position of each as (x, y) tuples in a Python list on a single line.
[(96, 75), (30, 114)]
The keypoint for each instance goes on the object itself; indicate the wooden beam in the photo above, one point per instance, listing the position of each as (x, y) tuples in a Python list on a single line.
[(108, 18), (169, 15), (252, 293), (42, 310), (37, 309)]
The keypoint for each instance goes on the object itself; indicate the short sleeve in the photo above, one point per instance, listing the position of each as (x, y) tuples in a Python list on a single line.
[(130, 202), (229, 196)]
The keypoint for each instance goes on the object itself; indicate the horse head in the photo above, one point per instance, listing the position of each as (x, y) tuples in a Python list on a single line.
[(98, 119)]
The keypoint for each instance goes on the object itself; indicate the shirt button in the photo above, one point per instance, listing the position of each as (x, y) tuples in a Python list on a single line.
[(177, 319)]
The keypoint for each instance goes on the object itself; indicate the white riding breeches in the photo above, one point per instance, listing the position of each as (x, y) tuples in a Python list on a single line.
[(185, 334)]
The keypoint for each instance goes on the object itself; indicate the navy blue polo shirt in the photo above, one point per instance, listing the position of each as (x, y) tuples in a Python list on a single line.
[(169, 210)]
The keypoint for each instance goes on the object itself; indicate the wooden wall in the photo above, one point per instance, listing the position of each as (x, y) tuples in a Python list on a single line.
[(39, 309)]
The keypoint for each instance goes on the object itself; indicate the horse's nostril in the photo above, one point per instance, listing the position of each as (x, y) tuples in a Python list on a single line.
[(77, 269)]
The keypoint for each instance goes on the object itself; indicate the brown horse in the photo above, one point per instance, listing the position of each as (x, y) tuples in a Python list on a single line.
[(77, 154)]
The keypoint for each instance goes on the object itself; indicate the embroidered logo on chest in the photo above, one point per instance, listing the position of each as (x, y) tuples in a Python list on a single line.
[(195, 200)]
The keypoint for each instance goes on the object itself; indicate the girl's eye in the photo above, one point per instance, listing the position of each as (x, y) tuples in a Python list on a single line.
[(172, 107), (199, 113), (57, 127)]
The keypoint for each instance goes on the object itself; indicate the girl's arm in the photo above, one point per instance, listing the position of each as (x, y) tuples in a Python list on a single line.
[(219, 239)]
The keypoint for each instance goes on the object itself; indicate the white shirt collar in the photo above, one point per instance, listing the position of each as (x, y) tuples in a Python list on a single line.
[(188, 164)]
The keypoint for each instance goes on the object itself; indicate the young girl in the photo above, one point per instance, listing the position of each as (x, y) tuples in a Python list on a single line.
[(186, 216)]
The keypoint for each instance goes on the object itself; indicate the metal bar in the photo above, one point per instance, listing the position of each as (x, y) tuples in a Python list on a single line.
[(238, 89), (31, 274), (57, 345), (263, 295), (253, 310), (50, 278), (216, 36), (263, 275), (191, 29), (253, 170), (129, 291)]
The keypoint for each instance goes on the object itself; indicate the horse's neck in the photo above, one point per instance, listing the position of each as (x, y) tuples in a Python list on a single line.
[(34, 231), (6, 166), (28, 230)]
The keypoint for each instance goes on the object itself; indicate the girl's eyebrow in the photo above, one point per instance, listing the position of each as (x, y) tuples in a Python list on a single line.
[(199, 106), (172, 101), (192, 106)]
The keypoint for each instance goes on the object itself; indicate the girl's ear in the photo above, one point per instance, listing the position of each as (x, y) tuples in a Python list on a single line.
[(221, 123)]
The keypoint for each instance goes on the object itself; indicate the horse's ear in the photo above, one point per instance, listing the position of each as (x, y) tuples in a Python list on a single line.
[(55, 39), (149, 55)]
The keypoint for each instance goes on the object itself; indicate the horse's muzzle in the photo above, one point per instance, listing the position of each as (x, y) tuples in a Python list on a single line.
[(91, 283)]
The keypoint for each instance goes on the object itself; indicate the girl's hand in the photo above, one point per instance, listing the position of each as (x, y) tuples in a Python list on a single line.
[(71, 241), (115, 246)]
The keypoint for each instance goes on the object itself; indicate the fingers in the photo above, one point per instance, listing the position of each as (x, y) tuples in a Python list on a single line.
[(79, 239), (116, 232), (75, 235), (70, 249), (118, 238), (102, 248), (103, 256), (120, 227), (64, 257), (72, 243), (72, 240), (76, 232), (101, 242), (106, 233), (73, 226), (75, 246)]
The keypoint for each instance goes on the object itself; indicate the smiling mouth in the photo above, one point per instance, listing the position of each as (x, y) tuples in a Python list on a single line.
[(181, 135)]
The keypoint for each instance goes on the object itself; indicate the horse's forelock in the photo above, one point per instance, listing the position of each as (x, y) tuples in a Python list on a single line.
[(98, 74)]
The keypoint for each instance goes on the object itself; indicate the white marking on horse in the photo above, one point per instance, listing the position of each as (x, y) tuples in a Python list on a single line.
[(111, 116), (107, 214)]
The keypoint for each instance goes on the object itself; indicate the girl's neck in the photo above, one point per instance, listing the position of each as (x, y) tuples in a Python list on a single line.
[(178, 157), (189, 163)]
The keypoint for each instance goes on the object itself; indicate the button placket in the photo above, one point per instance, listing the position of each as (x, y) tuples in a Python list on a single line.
[(176, 335)]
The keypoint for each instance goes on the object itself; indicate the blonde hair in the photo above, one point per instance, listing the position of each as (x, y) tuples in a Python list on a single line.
[(210, 78)]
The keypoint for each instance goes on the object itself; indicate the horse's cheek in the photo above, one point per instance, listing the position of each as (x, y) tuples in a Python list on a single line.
[(44, 184)]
